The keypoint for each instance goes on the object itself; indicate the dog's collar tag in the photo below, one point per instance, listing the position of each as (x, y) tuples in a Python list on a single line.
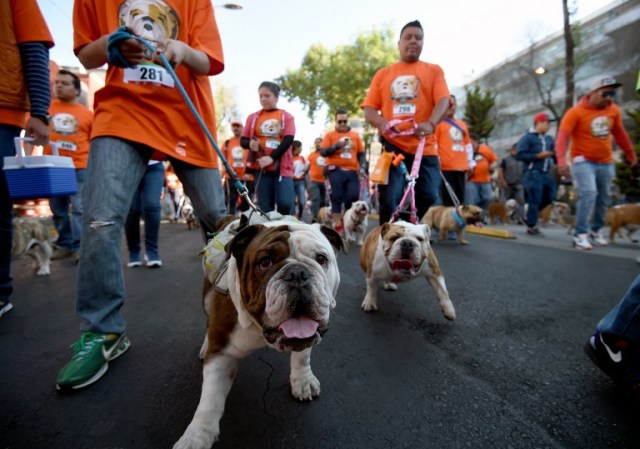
[(458, 219)]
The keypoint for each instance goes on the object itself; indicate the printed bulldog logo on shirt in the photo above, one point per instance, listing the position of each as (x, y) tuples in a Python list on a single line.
[(601, 127), (155, 21), (65, 124), (404, 89), (237, 157), (270, 128), (457, 138)]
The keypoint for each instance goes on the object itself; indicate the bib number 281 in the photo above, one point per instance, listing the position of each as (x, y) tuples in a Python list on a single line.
[(148, 74)]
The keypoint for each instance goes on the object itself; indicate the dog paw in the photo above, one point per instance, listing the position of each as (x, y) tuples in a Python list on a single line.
[(368, 305), (390, 286), (464, 242), (449, 312), (43, 272), (305, 388), (196, 440)]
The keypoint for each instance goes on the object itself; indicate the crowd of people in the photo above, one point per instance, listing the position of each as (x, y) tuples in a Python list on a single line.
[(120, 144)]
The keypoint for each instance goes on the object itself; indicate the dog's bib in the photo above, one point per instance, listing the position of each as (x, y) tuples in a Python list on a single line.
[(146, 73)]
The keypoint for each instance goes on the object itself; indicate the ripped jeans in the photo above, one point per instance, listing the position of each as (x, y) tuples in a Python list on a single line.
[(113, 174)]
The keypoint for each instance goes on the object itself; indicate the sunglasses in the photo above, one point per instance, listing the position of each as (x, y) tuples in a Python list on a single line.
[(342, 122), (609, 94)]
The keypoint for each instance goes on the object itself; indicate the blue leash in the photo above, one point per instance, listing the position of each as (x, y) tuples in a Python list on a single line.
[(115, 57)]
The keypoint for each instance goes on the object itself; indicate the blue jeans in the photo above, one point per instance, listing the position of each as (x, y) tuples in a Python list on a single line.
[(300, 192), (318, 192), (593, 182), (345, 189), (624, 319), (115, 170), (541, 191), (69, 223), (275, 190), (146, 203), (478, 193), (7, 134), (427, 188)]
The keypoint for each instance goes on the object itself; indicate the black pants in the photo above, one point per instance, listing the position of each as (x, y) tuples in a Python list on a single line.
[(456, 180)]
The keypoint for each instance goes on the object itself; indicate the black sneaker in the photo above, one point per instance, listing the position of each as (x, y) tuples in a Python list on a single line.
[(534, 231), (617, 358)]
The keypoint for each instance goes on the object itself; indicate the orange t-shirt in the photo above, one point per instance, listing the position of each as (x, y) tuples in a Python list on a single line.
[(237, 158), (590, 130), (317, 163), (70, 130), (452, 145), (28, 26), (408, 91), (270, 127), (484, 157), (142, 104), (346, 157)]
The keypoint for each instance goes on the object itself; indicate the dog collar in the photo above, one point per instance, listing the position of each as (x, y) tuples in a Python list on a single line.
[(458, 219)]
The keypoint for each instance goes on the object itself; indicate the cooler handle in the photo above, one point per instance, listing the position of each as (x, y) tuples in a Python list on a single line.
[(20, 150)]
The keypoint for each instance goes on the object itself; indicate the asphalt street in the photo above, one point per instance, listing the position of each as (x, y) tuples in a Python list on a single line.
[(510, 372)]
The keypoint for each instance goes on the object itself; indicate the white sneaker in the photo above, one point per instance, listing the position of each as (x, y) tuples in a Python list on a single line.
[(581, 241), (597, 238)]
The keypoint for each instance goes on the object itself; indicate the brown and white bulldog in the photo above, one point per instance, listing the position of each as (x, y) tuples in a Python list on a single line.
[(623, 216), (282, 278), (356, 221), (325, 217), (453, 219), (31, 238), (399, 252)]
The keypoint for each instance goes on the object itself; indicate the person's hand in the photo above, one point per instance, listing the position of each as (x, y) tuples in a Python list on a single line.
[(424, 129), (545, 154), (133, 51), (339, 144), (175, 51), (564, 171), (254, 144), (37, 130), (265, 161)]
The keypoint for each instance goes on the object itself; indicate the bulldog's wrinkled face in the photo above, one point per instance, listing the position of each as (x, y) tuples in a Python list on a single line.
[(287, 279), (361, 208), (471, 214), (405, 247)]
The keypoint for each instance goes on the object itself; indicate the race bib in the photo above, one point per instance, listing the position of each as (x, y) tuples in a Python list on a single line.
[(146, 73), (69, 146), (272, 144), (404, 109), (346, 155), (457, 147), (238, 164)]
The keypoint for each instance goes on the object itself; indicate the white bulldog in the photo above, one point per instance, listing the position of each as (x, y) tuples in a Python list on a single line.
[(356, 221), (399, 252), (282, 279)]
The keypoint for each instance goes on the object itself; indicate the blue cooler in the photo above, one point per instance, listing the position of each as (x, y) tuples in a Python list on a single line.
[(32, 177)]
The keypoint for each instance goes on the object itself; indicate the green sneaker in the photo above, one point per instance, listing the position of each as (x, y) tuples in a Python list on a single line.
[(93, 352)]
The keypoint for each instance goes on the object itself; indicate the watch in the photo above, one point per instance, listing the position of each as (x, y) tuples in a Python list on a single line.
[(43, 118)]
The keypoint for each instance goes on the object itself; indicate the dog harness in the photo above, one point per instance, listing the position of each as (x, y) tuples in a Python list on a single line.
[(457, 218)]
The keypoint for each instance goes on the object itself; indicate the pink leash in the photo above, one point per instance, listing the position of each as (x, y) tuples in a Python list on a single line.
[(415, 168)]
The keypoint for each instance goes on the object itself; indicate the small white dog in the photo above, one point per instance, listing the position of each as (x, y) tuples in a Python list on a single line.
[(356, 221)]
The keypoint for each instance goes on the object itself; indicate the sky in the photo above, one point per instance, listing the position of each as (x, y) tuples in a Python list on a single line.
[(265, 38)]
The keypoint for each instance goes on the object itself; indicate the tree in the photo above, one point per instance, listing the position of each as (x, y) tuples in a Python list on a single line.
[(477, 110), (226, 108), (626, 177), (569, 43), (339, 79)]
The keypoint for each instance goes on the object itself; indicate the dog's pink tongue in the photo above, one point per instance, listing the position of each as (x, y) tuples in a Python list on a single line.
[(403, 264), (302, 327)]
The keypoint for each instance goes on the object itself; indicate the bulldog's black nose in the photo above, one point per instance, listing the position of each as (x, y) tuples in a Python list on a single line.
[(297, 275), (407, 245)]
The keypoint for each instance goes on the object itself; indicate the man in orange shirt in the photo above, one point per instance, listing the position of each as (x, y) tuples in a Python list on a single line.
[(416, 92), (71, 122), (24, 87), (456, 154), (344, 153), (478, 188), (590, 125), (139, 115), (318, 187), (238, 157)]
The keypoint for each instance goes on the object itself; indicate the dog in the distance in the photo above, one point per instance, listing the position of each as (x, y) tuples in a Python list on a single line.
[(324, 216), (356, 220), (556, 212), (279, 286), (502, 211), (399, 252), (623, 216), (188, 214), (31, 238), (453, 219)]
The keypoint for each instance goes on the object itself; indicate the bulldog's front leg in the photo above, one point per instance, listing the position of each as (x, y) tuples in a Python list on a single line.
[(304, 384), (218, 373), (436, 280), (371, 298)]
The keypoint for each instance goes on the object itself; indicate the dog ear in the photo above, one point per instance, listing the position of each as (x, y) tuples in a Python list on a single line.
[(384, 229), (335, 239), (239, 243)]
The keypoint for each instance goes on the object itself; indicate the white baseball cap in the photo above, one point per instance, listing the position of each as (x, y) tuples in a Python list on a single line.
[(604, 81)]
